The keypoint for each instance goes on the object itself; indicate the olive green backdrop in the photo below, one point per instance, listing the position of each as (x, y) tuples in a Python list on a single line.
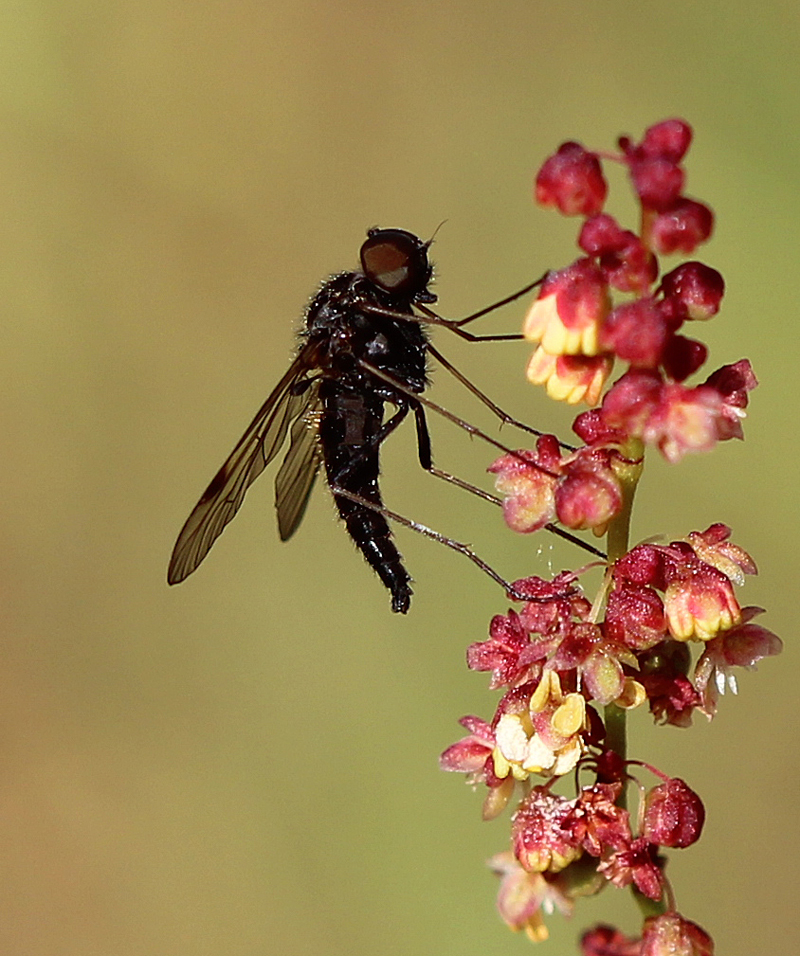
[(246, 765)]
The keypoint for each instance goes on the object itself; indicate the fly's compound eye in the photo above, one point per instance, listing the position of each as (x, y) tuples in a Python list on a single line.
[(396, 261)]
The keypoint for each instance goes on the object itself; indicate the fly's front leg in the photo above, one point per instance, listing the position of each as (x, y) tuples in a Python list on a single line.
[(429, 317), (457, 323)]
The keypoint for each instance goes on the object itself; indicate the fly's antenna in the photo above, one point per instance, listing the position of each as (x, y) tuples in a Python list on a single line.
[(429, 243)]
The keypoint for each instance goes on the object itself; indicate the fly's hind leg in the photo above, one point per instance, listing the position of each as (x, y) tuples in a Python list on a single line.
[(451, 543), (424, 450)]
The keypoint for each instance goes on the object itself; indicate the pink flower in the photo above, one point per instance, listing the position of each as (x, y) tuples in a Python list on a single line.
[(639, 863), (596, 822), (569, 378), (473, 755), (699, 602), (569, 310), (527, 481), (501, 653), (740, 646), (524, 896), (541, 844)]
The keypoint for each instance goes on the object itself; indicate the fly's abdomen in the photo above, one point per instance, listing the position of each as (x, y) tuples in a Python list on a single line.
[(349, 432), (372, 536)]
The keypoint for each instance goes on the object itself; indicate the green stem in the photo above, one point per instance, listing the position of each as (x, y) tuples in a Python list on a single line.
[(627, 465), (617, 737), (628, 469)]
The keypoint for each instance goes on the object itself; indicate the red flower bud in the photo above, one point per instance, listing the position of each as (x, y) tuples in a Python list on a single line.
[(733, 382), (643, 564), (669, 139), (657, 181), (696, 289), (633, 268), (636, 332), (681, 228), (631, 400), (674, 814), (604, 940), (591, 428), (635, 616), (602, 234), (682, 357), (572, 181)]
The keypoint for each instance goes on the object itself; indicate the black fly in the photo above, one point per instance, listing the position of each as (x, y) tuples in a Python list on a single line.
[(358, 352), (334, 409)]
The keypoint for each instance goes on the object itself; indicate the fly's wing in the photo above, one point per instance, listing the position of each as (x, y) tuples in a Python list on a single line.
[(256, 449), (295, 479)]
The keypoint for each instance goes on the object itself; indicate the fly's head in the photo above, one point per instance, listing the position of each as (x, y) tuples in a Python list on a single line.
[(396, 263)]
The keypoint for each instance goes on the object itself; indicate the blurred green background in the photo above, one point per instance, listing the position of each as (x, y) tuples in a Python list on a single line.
[(247, 764)]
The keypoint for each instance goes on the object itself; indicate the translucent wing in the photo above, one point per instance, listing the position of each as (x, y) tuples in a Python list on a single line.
[(256, 449), (295, 479)]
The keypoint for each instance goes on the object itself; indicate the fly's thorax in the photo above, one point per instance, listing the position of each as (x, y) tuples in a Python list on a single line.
[(342, 319), (325, 311)]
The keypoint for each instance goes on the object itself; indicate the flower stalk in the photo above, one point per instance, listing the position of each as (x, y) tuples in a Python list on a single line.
[(571, 667)]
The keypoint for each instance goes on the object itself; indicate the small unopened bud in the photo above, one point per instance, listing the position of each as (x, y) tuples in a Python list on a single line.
[(673, 815), (603, 940), (669, 139), (682, 357), (635, 616), (635, 332), (572, 181), (602, 234), (657, 181), (682, 228), (633, 268), (695, 288)]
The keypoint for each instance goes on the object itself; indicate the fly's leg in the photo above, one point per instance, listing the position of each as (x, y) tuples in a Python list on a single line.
[(495, 305), (451, 543), (424, 450), (456, 325), (470, 429), (375, 441), (504, 417), (423, 438)]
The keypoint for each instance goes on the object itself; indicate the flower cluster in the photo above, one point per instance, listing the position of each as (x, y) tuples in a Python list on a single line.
[(558, 667), (571, 667), (578, 488), (563, 849), (557, 664), (580, 330)]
